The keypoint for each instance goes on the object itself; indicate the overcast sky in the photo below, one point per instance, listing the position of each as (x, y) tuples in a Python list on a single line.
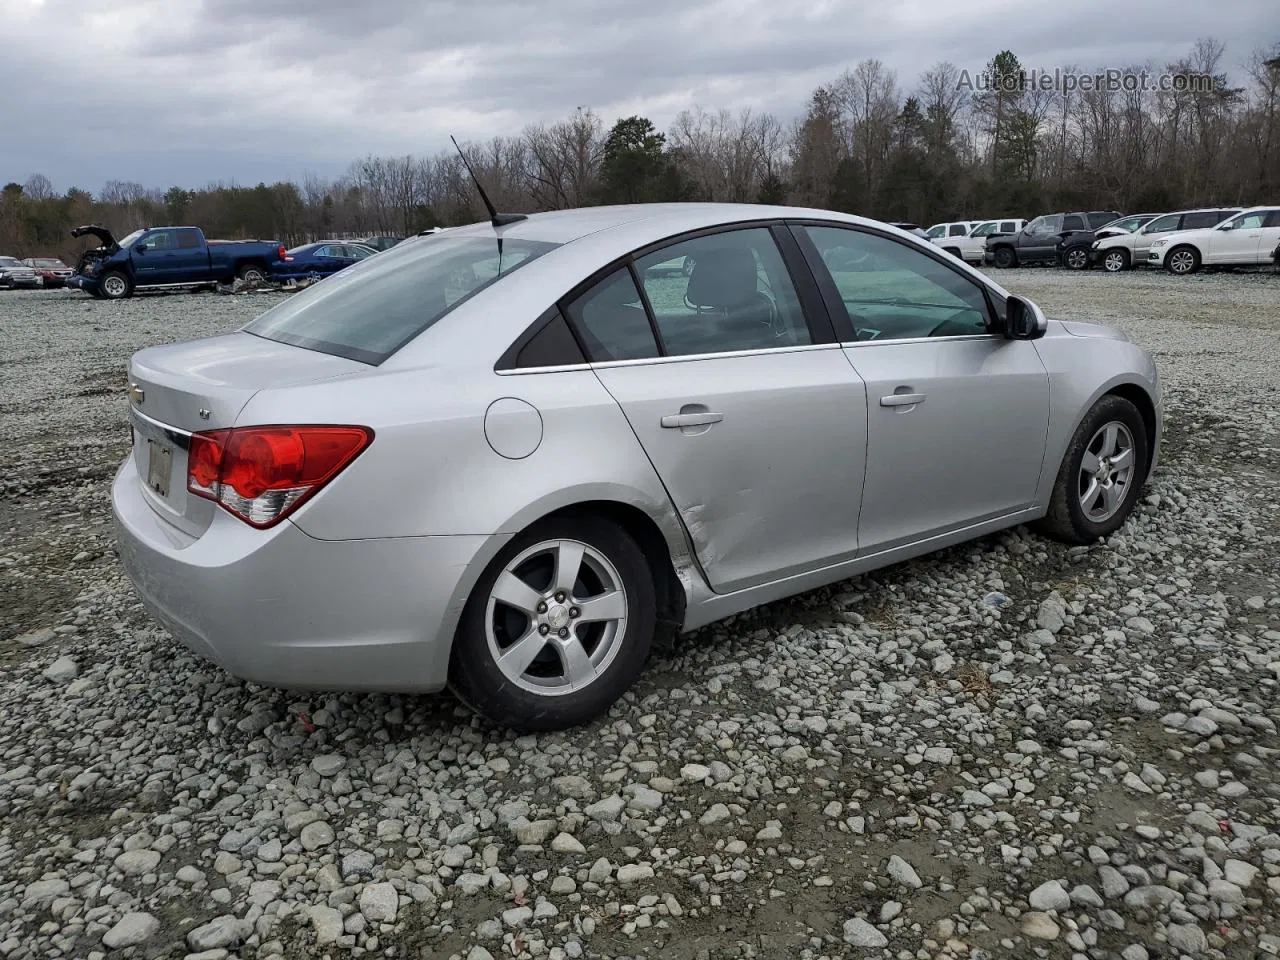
[(193, 91)]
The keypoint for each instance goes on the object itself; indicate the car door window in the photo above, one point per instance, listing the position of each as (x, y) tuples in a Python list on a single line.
[(957, 230), (611, 319), (722, 292), (1008, 226), (936, 231), (1250, 221), (1163, 224), (1073, 223), (160, 240), (892, 291), (187, 239), (984, 230), (1273, 219)]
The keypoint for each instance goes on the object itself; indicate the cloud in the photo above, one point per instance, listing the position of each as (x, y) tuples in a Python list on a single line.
[(192, 91)]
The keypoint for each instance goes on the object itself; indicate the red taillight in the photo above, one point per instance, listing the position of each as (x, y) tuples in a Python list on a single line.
[(280, 252), (262, 474)]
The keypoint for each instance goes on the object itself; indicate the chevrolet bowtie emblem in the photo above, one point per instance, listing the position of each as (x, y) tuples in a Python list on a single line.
[(137, 394)]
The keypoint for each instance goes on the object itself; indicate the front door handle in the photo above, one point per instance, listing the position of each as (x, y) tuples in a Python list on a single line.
[(675, 421), (901, 399)]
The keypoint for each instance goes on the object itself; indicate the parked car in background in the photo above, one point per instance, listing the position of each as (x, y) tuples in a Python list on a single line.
[(970, 248), (52, 271), (503, 459), (1244, 240), (941, 231), (167, 257), (914, 228), (1074, 248), (377, 243), (16, 275), (314, 261), (1122, 251), (1038, 241)]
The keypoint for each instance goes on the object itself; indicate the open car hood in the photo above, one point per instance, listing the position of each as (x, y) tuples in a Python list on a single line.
[(92, 230)]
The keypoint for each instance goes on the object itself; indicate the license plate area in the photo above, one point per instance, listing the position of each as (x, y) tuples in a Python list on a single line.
[(159, 466)]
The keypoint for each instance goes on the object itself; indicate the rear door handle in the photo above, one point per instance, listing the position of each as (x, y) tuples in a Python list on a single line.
[(901, 399), (675, 421)]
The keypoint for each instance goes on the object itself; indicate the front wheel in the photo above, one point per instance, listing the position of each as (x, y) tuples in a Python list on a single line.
[(1114, 261), (557, 628), (1182, 261), (1005, 258), (114, 285), (1101, 474), (1076, 258)]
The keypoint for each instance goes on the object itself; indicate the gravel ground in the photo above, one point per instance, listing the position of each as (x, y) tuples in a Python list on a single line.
[(1007, 749)]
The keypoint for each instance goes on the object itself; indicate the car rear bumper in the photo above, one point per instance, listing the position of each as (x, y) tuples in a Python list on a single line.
[(281, 608)]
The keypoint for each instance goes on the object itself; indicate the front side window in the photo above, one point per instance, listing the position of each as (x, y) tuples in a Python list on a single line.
[(937, 230), (160, 240), (1045, 225), (895, 292), (612, 321), (737, 294), (984, 229), (1249, 221), (1163, 224), (372, 309)]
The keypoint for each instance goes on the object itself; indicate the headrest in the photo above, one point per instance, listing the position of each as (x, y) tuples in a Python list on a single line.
[(723, 277)]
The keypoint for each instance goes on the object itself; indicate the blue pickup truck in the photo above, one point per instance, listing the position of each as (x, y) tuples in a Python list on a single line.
[(160, 257)]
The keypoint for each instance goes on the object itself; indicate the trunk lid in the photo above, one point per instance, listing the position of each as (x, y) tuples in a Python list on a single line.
[(180, 389)]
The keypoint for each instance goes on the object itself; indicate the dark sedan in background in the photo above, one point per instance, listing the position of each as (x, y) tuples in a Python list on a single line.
[(314, 261), (51, 270)]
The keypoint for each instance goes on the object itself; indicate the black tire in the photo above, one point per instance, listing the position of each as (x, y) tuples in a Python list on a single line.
[(114, 285), (1184, 265), (1005, 258), (1117, 260), (1066, 519), (252, 273), (474, 675), (1076, 258)]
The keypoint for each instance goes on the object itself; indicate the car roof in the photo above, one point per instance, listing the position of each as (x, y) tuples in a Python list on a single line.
[(565, 226)]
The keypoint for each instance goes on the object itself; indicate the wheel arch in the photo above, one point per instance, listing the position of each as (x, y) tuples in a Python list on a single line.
[(1137, 395)]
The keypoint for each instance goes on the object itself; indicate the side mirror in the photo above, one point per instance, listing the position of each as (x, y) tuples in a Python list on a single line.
[(1023, 320), (1229, 225)]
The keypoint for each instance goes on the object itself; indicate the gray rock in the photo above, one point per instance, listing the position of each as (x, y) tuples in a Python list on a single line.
[(327, 924), (517, 916), (131, 930), (695, 772), (61, 670), (567, 843), (859, 933), (579, 788), (606, 810), (630, 873), (1049, 896), (644, 799), (135, 863), (223, 931), (1114, 884), (328, 764), (1186, 938), (716, 813), (904, 873), (379, 902), (43, 892), (316, 835)]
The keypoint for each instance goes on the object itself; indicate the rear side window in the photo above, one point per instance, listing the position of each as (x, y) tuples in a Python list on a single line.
[(1274, 219), (612, 320), (1008, 226), (957, 230), (188, 239), (1073, 223), (370, 310)]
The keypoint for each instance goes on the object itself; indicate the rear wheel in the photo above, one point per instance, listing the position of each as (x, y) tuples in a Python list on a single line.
[(114, 285), (251, 273), (1101, 474), (558, 627), (1182, 260), (1115, 261), (1076, 258), (1005, 258)]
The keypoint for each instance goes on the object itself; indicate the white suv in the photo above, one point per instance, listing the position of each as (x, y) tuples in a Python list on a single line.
[(1125, 250), (1245, 240), (971, 246)]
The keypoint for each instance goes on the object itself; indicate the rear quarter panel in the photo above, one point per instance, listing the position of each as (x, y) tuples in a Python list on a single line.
[(1081, 370)]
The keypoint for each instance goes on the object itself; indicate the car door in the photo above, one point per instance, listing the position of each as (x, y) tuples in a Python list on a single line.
[(153, 257), (1238, 243), (1270, 238), (328, 259), (1040, 239), (957, 415), (740, 396)]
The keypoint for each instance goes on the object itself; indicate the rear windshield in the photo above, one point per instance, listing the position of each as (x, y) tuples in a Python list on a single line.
[(368, 311)]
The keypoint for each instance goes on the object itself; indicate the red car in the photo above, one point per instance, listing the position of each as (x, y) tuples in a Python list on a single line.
[(51, 270)]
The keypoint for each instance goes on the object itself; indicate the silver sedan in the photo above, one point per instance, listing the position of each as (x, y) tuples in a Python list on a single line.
[(504, 458)]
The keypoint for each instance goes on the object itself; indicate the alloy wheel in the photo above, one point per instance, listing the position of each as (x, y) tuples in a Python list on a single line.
[(1182, 261), (1106, 472), (556, 616), (114, 286), (1114, 261)]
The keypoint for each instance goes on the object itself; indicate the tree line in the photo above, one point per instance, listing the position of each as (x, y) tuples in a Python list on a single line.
[(950, 147)]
